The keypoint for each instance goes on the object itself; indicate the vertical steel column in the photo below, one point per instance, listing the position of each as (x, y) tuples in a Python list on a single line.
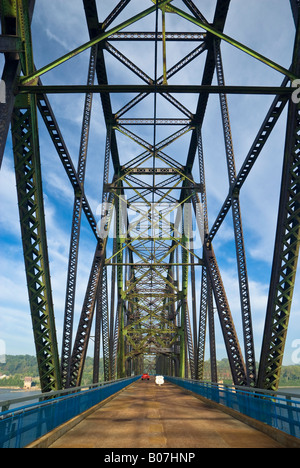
[(8, 17), (112, 310), (32, 218), (98, 326), (114, 371), (12, 68), (102, 310), (194, 307), (120, 280), (75, 231), (204, 281), (202, 325), (234, 353), (212, 339), (295, 10), (86, 319), (9, 78), (238, 229), (187, 228), (286, 248), (87, 313), (101, 324), (182, 323)]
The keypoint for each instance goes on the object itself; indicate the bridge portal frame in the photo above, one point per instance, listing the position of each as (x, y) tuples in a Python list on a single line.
[(123, 342)]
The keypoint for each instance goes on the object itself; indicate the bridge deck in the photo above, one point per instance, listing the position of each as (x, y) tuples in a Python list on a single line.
[(148, 416)]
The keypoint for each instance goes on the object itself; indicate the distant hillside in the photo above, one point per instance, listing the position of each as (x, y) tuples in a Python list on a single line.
[(290, 375), (26, 366), (21, 366)]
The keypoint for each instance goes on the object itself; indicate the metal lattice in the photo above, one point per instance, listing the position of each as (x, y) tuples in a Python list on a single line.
[(149, 264)]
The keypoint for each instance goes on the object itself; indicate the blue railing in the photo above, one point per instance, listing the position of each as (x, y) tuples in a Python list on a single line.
[(281, 411), (22, 426)]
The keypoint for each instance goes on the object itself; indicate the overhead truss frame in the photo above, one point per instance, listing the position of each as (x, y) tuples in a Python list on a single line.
[(146, 314)]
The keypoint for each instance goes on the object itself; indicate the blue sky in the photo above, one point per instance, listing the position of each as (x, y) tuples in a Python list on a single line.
[(59, 27)]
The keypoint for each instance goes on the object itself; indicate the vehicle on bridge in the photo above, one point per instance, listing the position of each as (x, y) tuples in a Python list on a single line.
[(145, 376)]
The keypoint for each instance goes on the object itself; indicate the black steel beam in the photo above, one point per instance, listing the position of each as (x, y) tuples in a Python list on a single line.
[(235, 357), (295, 10), (64, 155), (25, 138), (86, 319), (286, 251), (10, 76), (75, 231), (95, 28), (176, 89), (238, 229), (209, 69), (265, 131), (10, 44)]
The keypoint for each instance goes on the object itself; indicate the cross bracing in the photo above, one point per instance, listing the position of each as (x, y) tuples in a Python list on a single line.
[(155, 285)]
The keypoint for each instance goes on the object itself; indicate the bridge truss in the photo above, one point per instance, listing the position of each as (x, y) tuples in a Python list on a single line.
[(154, 282)]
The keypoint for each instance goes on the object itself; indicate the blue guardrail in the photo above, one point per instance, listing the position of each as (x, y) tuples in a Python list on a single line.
[(21, 426), (279, 411)]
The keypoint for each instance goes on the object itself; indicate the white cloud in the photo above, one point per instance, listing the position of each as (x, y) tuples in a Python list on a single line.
[(57, 39), (59, 27)]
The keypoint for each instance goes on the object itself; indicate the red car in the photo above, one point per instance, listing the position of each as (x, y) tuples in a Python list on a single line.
[(145, 377)]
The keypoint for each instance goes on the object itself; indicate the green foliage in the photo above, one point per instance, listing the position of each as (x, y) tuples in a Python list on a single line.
[(290, 376), (87, 377), (25, 366), (18, 367), (13, 381)]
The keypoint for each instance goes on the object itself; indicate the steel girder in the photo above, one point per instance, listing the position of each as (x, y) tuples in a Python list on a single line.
[(75, 231), (238, 229), (286, 250), (147, 317), (11, 72), (24, 127), (8, 12)]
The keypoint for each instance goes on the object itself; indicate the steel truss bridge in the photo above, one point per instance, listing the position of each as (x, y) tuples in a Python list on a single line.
[(153, 245)]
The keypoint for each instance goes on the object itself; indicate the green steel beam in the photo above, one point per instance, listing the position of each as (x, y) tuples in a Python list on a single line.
[(8, 9), (120, 287), (11, 69), (151, 305), (184, 311), (33, 76), (209, 28), (32, 218), (86, 318), (286, 252)]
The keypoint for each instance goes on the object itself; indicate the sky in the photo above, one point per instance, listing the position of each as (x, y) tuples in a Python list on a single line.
[(58, 27)]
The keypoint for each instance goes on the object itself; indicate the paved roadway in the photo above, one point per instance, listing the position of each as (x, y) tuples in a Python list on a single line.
[(148, 416)]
